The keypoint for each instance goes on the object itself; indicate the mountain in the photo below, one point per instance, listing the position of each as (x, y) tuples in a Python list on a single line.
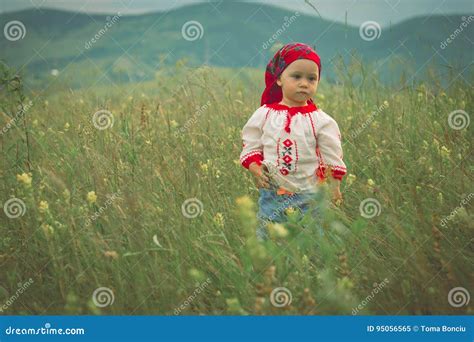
[(134, 47)]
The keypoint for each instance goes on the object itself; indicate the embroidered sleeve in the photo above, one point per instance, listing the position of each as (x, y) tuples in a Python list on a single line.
[(329, 138), (252, 147)]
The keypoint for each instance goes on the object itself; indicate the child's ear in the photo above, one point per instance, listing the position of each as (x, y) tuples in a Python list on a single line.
[(279, 81)]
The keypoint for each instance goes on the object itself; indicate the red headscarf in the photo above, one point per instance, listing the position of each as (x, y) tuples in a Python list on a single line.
[(284, 57)]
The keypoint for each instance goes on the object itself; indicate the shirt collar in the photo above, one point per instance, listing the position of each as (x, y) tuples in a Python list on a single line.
[(309, 107)]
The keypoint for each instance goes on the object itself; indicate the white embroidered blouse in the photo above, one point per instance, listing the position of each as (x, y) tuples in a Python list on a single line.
[(298, 142)]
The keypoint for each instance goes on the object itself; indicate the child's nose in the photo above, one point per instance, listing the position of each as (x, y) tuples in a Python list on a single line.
[(304, 83)]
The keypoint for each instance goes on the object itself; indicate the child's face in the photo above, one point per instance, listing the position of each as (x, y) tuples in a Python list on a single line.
[(299, 81)]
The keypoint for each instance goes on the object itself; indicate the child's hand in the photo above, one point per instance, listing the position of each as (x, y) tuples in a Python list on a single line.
[(261, 180), (336, 193)]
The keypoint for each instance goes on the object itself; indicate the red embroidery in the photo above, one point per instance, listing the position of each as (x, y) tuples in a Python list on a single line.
[(288, 162), (321, 169), (308, 108), (266, 116), (296, 163), (249, 158)]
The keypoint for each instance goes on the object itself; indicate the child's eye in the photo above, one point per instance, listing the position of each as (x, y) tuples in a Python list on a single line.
[(312, 79), (296, 76)]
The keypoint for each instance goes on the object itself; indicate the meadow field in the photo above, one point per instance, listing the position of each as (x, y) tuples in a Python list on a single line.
[(130, 199)]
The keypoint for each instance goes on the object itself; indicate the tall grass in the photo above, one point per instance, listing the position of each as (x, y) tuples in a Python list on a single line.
[(178, 138)]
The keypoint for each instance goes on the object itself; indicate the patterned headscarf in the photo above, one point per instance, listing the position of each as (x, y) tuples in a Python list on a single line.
[(284, 57)]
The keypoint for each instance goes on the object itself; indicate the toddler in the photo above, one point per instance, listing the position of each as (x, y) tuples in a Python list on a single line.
[(290, 145)]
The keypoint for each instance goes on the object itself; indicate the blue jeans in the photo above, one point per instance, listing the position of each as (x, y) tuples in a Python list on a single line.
[(272, 208)]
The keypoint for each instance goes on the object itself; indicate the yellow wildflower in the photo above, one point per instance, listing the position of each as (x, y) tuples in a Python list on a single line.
[(375, 124), (277, 230), (91, 197), (385, 103), (370, 182), (350, 179), (219, 219), (24, 178), (66, 126), (196, 274), (66, 195), (305, 259), (204, 167), (173, 123), (47, 229), (244, 202), (444, 151), (233, 305), (111, 254), (43, 206)]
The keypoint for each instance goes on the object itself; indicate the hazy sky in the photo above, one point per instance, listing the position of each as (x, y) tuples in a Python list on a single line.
[(382, 11)]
